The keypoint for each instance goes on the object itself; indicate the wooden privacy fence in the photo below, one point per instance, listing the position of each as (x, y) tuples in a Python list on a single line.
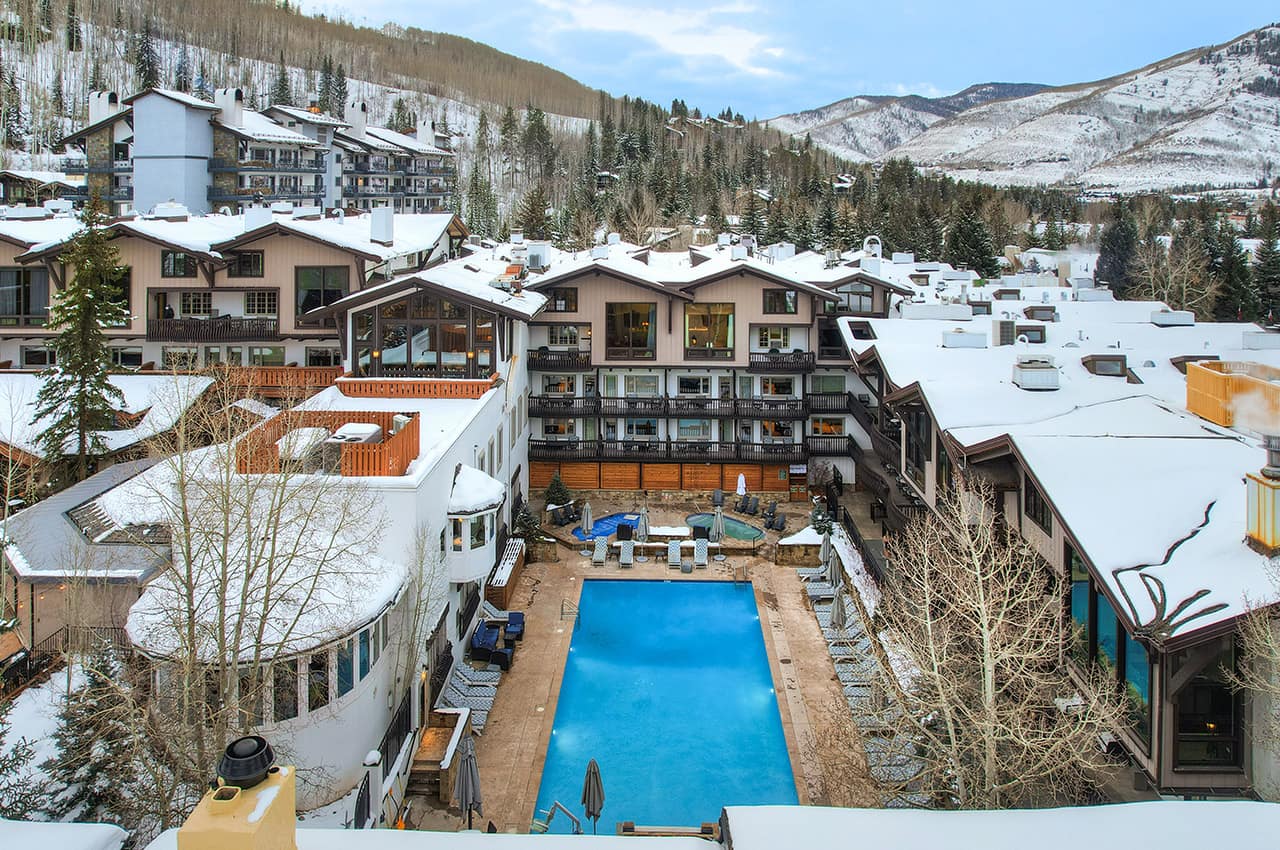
[(1225, 391), (257, 452), (416, 387)]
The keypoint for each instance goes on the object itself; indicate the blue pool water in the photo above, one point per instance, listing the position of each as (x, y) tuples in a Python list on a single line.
[(605, 526), (734, 528), (667, 686)]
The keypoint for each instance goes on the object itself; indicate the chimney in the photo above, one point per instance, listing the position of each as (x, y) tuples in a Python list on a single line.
[(313, 102), (102, 104), (357, 115), (230, 103), (1262, 496), (251, 806), (382, 226)]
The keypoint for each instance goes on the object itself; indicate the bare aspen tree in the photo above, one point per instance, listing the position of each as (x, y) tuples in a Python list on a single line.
[(972, 671), (1177, 275), (1259, 674)]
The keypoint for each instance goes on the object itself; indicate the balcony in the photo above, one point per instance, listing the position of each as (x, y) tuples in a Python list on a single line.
[(830, 402), (258, 451), (378, 169), (696, 407), (563, 407), (633, 405), (246, 194), (372, 192), (311, 165), (215, 329), (709, 451), (79, 166), (547, 360), (772, 407), (793, 362), (708, 354), (428, 171), (115, 193), (831, 445)]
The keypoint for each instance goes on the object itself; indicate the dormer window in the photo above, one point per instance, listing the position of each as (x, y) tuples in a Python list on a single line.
[(1041, 312), (1109, 365), (1033, 333)]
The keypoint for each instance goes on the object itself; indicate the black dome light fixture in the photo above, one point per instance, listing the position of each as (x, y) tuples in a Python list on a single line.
[(246, 761)]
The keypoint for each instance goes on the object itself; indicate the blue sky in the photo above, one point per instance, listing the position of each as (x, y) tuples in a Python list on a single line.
[(766, 58)]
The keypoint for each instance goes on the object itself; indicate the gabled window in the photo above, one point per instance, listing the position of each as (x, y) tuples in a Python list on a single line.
[(177, 264), (245, 264), (562, 299), (781, 301)]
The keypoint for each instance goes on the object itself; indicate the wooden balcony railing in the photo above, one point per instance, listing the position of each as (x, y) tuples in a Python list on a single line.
[(214, 329), (699, 407), (563, 407), (257, 452), (1215, 387), (830, 445), (830, 402), (293, 383), (785, 362), (772, 407), (416, 387), (667, 450), (545, 359)]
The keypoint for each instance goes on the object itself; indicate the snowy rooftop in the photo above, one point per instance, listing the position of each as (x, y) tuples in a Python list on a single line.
[(260, 128), (45, 177), (64, 836), (409, 143), (29, 232), (393, 839), (474, 491), (307, 116), (413, 232)]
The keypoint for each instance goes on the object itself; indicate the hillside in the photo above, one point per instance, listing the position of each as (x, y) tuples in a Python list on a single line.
[(1209, 116)]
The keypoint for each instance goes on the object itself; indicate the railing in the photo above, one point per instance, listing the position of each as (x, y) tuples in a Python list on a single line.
[(362, 805), (708, 354), (546, 359), (761, 407), (830, 445), (563, 407), (830, 402), (886, 447), (667, 450), (633, 405), (249, 193), (79, 166), (568, 609), (258, 452), (772, 407), (389, 170), (373, 191), (214, 329), (863, 414), (872, 551), (289, 382), (289, 166), (618, 352), (416, 387), (701, 406), (793, 361), (115, 193), (397, 731)]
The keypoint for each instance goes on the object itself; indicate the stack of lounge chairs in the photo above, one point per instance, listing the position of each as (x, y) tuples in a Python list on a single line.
[(475, 689), (565, 515)]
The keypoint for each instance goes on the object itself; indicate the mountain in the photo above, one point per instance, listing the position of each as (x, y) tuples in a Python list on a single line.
[(1205, 117), (866, 127)]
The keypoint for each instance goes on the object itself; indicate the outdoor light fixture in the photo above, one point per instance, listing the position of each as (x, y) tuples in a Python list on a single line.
[(377, 353)]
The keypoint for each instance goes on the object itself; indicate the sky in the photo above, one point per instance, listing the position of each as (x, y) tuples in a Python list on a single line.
[(768, 58)]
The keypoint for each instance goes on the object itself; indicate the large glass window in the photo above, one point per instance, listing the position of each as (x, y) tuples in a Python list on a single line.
[(245, 264), (197, 303), (562, 335), (318, 681), (770, 385), (38, 357), (261, 302), (643, 429), (177, 264), (1035, 507), (854, 298), (830, 343), (557, 427), (1079, 604), (477, 532), (284, 687), (780, 301), (1208, 709), (126, 357), (828, 426), (1137, 687), (693, 429), (559, 384), (641, 385), (364, 654), (319, 286), (24, 296), (562, 299), (919, 442), (708, 331), (698, 385), (249, 696), (346, 675), (631, 330), (266, 355), (769, 338)]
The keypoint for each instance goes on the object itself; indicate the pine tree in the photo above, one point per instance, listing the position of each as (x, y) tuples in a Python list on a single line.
[(402, 120), (46, 17), (509, 139), (13, 122), (752, 220), (1266, 263), (58, 97), (19, 797), (969, 241), (200, 85), (182, 72), (76, 399), (556, 493), (339, 92), (281, 91), (532, 213), (325, 99), (1117, 248), (146, 62), (90, 764), (827, 218), (96, 82), (483, 153), (74, 42), (1237, 297)]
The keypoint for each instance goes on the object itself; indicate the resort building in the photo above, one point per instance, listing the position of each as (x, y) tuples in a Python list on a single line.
[(1123, 440), (161, 146), (220, 289)]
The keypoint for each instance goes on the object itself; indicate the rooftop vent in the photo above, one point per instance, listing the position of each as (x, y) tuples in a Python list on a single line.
[(600, 252), (307, 213), (517, 237), (613, 239), (903, 257), (960, 338), (724, 240), (738, 252), (1262, 496), (170, 211), (1261, 340), (1173, 318), (382, 226), (1035, 372), (255, 217), (282, 207), (58, 205), (246, 761)]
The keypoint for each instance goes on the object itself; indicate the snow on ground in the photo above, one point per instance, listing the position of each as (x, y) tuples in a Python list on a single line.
[(21, 835), (34, 716)]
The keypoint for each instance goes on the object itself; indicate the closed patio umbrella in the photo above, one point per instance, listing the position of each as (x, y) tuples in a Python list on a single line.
[(593, 794), (839, 613), (466, 787), (835, 570), (642, 531), (716, 533), (587, 522), (825, 554), (742, 484)]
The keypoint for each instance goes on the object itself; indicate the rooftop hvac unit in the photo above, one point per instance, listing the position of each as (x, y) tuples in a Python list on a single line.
[(724, 239), (600, 252), (1035, 372), (738, 252), (1173, 318), (960, 338), (399, 422), (832, 258), (613, 239), (1006, 331), (539, 256)]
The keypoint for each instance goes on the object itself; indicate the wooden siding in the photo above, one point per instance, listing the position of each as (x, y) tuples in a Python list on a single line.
[(540, 472), (661, 476), (750, 471), (700, 476), (776, 478), (620, 476), (580, 476)]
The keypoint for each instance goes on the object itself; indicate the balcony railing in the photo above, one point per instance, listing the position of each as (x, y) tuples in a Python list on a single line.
[(216, 329), (830, 402), (563, 407), (633, 405), (792, 361), (668, 450), (258, 451), (313, 165), (248, 193), (695, 407), (830, 445), (547, 360), (708, 353), (115, 193), (686, 407), (79, 166), (772, 407)]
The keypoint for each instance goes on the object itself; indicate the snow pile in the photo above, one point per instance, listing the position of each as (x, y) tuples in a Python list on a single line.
[(474, 491), (806, 536)]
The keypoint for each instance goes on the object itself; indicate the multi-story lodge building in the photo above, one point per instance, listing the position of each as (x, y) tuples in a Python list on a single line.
[(217, 289), (160, 146)]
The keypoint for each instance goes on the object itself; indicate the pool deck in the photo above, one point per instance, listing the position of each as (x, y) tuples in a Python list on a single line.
[(513, 748)]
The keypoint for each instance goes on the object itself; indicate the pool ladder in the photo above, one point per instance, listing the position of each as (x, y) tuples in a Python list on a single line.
[(539, 827), (567, 608)]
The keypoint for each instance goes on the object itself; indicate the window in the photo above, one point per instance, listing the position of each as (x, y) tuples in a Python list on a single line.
[(557, 427), (249, 696), (562, 335), (245, 264), (693, 385), (559, 384), (318, 681), (563, 299), (642, 428), (499, 444), (179, 358), (38, 357), (769, 338), (919, 443), (261, 302), (457, 534), (126, 357), (854, 298), (708, 331), (323, 356), (177, 264), (828, 426), (1036, 508), (319, 286), (780, 301), (477, 532), (693, 429), (197, 303), (777, 386), (630, 331), (828, 383), (1033, 333), (364, 654), (830, 343), (1109, 365), (1208, 710), (776, 429), (640, 385), (375, 640), (266, 355), (284, 686), (346, 679), (1079, 604), (24, 296)]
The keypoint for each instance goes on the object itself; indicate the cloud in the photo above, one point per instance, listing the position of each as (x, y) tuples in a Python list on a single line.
[(696, 35), (922, 89)]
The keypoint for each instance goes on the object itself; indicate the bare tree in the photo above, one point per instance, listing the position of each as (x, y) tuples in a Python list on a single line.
[(1177, 275), (973, 667), (640, 218), (1259, 674)]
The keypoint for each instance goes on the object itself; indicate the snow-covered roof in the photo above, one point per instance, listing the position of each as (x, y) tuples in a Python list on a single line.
[(177, 96), (64, 836), (1171, 825), (474, 491), (409, 143), (307, 116), (164, 398), (260, 128), (352, 140), (412, 233), (393, 839), (196, 233), (32, 232), (45, 177)]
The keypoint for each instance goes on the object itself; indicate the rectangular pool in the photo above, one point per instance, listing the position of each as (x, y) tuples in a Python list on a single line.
[(668, 687)]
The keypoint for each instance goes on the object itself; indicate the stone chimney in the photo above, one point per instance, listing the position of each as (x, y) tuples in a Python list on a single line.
[(102, 105), (1262, 493), (357, 115), (230, 103), (250, 807)]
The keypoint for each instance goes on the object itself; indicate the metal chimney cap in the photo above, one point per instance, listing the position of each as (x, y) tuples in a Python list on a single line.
[(1271, 442), (246, 761)]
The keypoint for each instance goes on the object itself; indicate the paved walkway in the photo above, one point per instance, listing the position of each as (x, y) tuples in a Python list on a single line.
[(512, 751)]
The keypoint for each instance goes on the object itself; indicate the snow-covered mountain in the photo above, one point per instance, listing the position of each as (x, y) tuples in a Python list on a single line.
[(1209, 116)]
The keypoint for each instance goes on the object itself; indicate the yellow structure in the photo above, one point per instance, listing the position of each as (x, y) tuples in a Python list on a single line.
[(257, 818), (1230, 393)]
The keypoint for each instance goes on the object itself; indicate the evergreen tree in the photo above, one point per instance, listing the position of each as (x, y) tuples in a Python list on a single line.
[(13, 121), (402, 120), (338, 92), (46, 18), (509, 138), (96, 82), (777, 226), (325, 99), (608, 143), (59, 99), (1053, 237), (532, 213), (802, 232), (19, 797), (76, 399), (969, 241), (483, 153), (146, 62), (826, 222), (182, 72), (200, 86), (556, 493), (1266, 264), (92, 739), (281, 91), (752, 221), (74, 42), (1117, 248), (1237, 297)]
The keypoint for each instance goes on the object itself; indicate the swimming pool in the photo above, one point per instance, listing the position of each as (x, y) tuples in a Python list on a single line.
[(667, 686), (605, 526), (734, 528)]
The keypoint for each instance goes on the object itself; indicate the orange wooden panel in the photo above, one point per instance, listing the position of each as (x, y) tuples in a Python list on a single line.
[(619, 476), (776, 478), (661, 476), (749, 471), (540, 472), (580, 476), (700, 476)]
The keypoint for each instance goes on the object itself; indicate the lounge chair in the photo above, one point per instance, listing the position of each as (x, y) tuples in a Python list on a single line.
[(600, 552), (741, 507), (717, 498), (627, 553), (572, 512), (770, 512), (754, 507), (475, 677), (513, 621), (700, 552), (557, 517), (819, 590), (673, 554), (780, 523)]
